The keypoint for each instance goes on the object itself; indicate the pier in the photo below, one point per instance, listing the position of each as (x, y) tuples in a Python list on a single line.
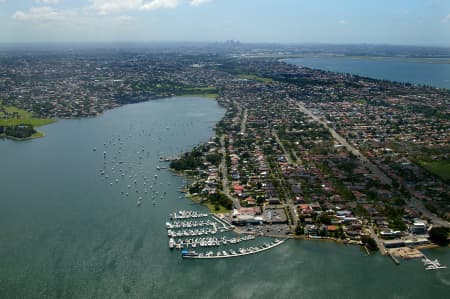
[(394, 259), (225, 224), (207, 242), (432, 264), (188, 214), (248, 251), (192, 232), (189, 224)]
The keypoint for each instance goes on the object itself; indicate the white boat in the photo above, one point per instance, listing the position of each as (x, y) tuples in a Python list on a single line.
[(171, 243)]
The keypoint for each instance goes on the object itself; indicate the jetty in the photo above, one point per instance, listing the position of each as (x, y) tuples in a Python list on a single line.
[(394, 259), (207, 241), (231, 252), (189, 224), (432, 264), (192, 232), (223, 222), (187, 215)]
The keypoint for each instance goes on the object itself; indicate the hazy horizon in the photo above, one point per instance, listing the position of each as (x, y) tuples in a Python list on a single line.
[(411, 23)]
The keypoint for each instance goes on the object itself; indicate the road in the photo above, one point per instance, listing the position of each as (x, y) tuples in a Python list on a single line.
[(286, 154), (372, 167), (244, 121), (289, 202), (223, 169), (379, 242), (437, 221)]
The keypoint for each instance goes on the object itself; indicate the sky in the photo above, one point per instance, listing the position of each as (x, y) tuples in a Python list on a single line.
[(409, 22)]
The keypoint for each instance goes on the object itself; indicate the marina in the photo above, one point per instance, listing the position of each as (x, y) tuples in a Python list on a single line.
[(181, 235)]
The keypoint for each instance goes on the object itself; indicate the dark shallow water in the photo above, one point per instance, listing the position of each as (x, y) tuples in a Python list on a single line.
[(433, 74), (66, 232)]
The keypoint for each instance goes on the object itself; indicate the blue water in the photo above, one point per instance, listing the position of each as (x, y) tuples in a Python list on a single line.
[(433, 74)]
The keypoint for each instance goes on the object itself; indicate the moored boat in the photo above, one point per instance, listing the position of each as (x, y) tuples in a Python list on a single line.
[(188, 253)]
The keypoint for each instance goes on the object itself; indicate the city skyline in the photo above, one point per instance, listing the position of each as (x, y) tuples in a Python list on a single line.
[(419, 22)]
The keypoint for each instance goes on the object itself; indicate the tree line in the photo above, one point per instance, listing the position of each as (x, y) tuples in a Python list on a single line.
[(18, 131)]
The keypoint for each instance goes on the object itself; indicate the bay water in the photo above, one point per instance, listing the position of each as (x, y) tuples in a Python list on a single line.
[(416, 71)]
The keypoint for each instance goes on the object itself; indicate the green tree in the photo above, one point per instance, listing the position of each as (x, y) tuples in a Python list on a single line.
[(213, 158), (369, 242), (439, 235), (299, 230), (325, 219)]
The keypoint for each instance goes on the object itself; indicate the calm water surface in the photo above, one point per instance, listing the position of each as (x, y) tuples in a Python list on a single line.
[(68, 232), (433, 74)]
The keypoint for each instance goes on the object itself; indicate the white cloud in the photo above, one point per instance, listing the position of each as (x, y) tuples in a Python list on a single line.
[(446, 19), (342, 22), (44, 13), (47, 1), (105, 7), (114, 6), (198, 2), (155, 4), (101, 7)]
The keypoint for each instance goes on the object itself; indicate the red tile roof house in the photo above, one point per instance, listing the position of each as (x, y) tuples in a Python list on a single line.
[(238, 189), (250, 201)]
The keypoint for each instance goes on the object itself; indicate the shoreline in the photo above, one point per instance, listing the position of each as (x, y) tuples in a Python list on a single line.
[(38, 134), (371, 59)]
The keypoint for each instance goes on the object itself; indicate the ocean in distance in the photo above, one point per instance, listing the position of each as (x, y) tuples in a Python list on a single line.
[(68, 232), (416, 71)]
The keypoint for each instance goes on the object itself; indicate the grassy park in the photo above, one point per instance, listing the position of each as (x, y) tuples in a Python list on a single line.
[(440, 168), (11, 116)]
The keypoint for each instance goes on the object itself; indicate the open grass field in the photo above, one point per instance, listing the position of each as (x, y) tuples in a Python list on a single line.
[(211, 207), (440, 168), (204, 95), (255, 78), (12, 116), (36, 122)]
